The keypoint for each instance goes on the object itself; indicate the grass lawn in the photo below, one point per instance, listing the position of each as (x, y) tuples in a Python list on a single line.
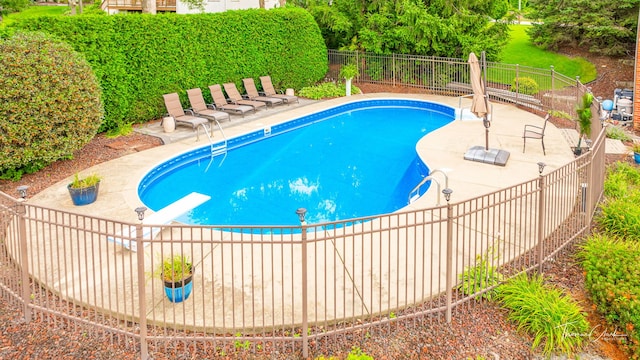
[(521, 51), (34, 11)]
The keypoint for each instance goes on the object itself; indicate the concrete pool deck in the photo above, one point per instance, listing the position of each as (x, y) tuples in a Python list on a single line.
[(442, 149)]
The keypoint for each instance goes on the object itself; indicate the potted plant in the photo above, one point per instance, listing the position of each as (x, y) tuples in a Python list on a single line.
[(84, 191), (348, 72), (177, 274), (636, 152), (584, 120)]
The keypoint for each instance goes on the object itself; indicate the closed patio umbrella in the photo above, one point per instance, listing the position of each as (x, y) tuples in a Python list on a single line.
[(480, 104), (480, 108)]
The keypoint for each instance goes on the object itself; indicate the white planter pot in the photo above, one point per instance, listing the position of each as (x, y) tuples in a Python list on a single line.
[(348, 87), (169, 124)]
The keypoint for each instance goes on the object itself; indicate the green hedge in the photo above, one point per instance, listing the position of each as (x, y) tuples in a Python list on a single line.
[(137, 58), (49, 103)]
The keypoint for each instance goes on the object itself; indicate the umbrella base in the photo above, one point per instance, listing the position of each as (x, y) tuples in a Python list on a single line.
[(491, 156)]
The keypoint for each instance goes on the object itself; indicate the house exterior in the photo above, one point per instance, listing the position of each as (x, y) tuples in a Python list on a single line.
[(116, 6)]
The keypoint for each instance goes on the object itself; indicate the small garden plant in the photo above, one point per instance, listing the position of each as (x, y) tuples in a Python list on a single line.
[(85, 182), (555, 320), (175, 268), (482, 275), (617, 133)]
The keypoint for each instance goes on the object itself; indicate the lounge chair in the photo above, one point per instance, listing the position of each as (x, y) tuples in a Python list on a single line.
[(535, 132), (200, 108), (252, 93), (236, 98), (175, 110), (221, 102), (269, 90)]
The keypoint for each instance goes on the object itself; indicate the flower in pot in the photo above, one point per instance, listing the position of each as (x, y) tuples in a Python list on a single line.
[(584, 119), (348, 72), (636, 152), (84, 191), (176, 272)]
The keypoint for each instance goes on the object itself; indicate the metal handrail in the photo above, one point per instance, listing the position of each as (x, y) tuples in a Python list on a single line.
[(427, 178)]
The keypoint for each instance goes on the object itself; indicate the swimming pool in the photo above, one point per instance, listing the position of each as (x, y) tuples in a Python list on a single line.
[(354, 160)]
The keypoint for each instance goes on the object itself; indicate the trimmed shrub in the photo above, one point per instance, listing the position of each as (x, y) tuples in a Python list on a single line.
[(49, 104), (326, 91), (553, 318), (612, 278), (138, 58), (525, 85)]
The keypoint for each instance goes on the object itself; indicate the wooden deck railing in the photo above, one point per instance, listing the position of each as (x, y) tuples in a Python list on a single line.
[(136, 5)]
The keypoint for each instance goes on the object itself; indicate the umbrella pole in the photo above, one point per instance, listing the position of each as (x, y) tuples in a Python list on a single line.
[(486, 133), (486, 122)]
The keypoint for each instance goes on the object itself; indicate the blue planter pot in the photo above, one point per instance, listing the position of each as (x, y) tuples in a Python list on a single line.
[(636, 157), (83, 196), (179, 291)]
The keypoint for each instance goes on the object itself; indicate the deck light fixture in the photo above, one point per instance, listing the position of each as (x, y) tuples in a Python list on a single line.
[(301, 212), (140, 211), (541, 166), (447, 194), (22, 190)]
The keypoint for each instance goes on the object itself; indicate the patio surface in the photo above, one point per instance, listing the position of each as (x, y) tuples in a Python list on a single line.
[(442, 149)]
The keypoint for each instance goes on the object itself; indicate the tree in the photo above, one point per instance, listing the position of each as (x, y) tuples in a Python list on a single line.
[(425, 27), (603, 26), (10, 6)]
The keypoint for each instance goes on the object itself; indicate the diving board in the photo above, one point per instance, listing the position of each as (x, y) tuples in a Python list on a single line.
[(163, 216)]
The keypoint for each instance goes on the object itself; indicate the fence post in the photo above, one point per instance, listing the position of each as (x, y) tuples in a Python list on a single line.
[(577, 88), (142, 301), (541, 216), (393, 68), (24, 257), (553, 88), (449, 277), (358, 65), (305, 312), (517, 82)]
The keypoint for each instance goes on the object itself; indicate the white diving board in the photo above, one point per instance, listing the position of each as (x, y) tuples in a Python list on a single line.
[(162, 217)]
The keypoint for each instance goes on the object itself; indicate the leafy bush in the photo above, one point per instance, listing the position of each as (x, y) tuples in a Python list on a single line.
[(620, 215), (525, 85), (140, 58), (326, 91), (547, 313), (49, 104), (612, 278), (622, 178), (616, 133)]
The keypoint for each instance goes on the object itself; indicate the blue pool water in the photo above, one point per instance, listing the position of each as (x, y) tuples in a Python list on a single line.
[(354, 160)]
